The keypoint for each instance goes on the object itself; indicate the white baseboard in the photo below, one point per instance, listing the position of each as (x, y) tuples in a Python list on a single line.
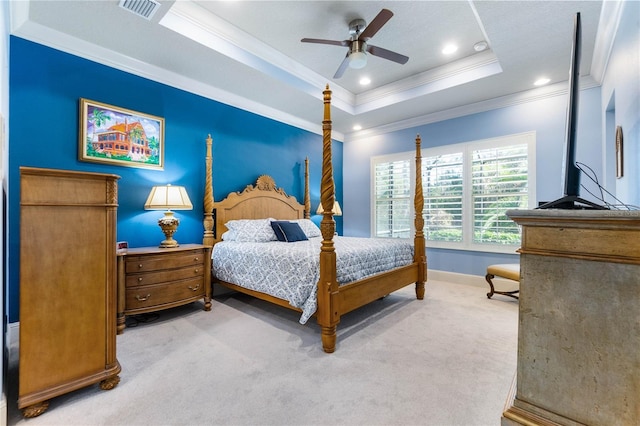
[(456, 278), (474, 280)]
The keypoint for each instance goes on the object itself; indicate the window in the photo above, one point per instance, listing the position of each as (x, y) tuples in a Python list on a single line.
[(499, 183), (467, 190), (442, 183)]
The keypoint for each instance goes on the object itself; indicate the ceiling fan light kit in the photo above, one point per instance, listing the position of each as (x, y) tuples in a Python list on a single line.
[(357, 56), (361, 33)]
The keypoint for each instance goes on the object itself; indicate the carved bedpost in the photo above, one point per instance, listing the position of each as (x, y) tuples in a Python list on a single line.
[(419, 255), (328, 312), (307, 199), (208, 238)]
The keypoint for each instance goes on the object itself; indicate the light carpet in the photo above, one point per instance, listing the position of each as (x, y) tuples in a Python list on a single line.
[(446, 360)]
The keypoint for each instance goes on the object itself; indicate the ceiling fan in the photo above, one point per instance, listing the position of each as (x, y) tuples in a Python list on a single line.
[(358, 44)]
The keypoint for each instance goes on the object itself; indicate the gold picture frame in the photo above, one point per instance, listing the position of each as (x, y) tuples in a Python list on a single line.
[(619, 153), (119, 136)]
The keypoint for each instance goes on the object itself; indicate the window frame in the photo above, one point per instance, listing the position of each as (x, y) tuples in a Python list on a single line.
[(467, 149)]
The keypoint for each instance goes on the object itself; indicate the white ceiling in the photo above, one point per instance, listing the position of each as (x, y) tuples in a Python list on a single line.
[(248, 53)]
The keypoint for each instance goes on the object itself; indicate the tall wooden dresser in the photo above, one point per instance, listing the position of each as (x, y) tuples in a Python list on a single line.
[(67, 284)]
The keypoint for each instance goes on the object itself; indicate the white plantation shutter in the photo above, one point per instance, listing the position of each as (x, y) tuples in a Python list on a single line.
[(392, 199), (499, 183), (442, 181)]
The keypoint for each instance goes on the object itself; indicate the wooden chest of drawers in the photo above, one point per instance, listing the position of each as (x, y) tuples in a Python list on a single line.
[(67, 284), (153, 278)]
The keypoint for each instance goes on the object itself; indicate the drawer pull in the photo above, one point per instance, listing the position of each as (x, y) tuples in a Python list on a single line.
[(140, 266), (197, 259), (143, 299), (197, 270), (139, 279), (194, 288)]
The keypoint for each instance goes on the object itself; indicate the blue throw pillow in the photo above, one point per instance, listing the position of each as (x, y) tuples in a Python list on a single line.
[(277, 230), (288, 231)]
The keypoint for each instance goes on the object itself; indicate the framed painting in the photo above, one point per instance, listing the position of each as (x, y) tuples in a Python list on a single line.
[(120, 137)]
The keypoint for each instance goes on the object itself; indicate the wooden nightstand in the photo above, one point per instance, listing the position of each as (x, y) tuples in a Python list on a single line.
[(153, 278)]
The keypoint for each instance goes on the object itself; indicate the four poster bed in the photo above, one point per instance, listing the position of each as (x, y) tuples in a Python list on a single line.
[(337, 274)]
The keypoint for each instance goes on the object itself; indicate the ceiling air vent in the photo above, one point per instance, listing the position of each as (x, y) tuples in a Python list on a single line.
[(144, 8)]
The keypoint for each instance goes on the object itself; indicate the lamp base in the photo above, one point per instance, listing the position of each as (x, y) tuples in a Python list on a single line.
[(169, 225), (169, 244)]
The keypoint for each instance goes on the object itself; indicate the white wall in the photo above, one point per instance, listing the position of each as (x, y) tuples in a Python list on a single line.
[(620, 104)]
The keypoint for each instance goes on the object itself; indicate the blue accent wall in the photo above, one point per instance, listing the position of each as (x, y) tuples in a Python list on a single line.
[(45, 88)]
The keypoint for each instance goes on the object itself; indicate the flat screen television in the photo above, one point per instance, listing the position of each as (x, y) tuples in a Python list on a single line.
[(571, 198)]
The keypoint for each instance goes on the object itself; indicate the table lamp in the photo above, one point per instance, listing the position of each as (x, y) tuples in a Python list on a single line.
[(337, 211), (168, 198)]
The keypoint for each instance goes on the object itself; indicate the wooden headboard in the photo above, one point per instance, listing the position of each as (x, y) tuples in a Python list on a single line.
[(258, 201)]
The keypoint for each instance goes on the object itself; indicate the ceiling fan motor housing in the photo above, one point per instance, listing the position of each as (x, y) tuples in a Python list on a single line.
[(357, 46), (356, 27)]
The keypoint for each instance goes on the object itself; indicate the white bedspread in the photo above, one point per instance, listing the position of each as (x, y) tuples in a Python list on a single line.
[(290, 271)]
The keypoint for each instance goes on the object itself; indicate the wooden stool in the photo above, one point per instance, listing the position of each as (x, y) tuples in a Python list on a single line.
[(510, 271)]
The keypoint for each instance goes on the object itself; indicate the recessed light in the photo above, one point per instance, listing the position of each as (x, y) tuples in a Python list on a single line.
[(449, 49), (480, 46), (365, 81), (541, 81), (357, 127)]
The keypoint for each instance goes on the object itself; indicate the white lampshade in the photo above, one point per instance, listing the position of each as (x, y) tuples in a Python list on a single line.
[(337, 211), (168, 197)]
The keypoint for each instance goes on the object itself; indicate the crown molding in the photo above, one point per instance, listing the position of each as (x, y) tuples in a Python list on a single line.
[(206, 28), (441, 78), (537, 94), (193, 21), (196, 23), (22, 27), (610, 16)]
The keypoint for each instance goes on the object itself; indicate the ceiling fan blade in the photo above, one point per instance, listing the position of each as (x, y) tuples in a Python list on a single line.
[(375, 25), (343, 66), (322, 41), (387, 54)]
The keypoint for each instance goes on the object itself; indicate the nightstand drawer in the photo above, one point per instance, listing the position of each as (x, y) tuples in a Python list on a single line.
[(161, 262), (148, 278), (156, 295)]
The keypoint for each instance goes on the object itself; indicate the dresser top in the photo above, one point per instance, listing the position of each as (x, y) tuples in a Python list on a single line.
[(160, 250)]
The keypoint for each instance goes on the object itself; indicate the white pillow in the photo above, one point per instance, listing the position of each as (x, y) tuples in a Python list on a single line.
[(250, 230), (228, 236), (310, 229)]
